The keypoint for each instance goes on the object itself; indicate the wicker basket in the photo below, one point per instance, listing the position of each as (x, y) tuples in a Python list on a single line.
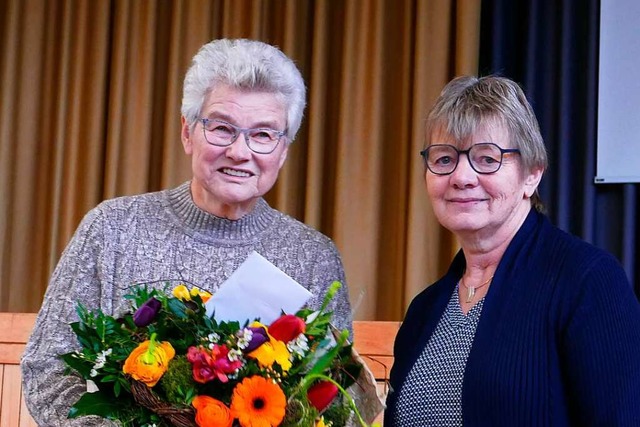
[(177, 416)]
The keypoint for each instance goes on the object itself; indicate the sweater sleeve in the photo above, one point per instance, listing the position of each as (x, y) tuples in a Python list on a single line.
[(329, 268), (601, 348), (49, 393)]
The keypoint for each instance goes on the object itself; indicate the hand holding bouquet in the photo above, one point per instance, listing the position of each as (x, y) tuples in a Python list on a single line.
[(167, 363)]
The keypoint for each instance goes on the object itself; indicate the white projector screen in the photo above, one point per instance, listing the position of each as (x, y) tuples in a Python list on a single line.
[(619, 93)]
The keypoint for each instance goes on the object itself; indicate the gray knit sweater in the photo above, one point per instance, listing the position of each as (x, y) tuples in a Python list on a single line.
[(155, 237)]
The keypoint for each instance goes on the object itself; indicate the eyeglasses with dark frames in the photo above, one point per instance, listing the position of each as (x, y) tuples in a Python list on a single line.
[(259, 140), (485, 158)]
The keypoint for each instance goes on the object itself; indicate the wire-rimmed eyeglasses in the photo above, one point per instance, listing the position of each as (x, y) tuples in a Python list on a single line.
[(484, 158), (222, 134)]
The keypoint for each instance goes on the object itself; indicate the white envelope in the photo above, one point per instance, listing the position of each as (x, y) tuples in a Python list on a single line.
[(257, 289)]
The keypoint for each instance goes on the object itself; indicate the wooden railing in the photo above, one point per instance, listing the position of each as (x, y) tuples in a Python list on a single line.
[(373, 341), (15, 329)]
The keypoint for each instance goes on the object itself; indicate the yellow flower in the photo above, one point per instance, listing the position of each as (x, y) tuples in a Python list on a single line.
[(149, 361), (181, 292), (271, 351), (320, 423), (204, 295), (258, 402)]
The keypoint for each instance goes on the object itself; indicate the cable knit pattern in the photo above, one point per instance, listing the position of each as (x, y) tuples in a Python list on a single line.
[(159, 237)]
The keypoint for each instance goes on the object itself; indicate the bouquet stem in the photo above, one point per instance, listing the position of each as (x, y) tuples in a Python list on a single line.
[(312, 377)]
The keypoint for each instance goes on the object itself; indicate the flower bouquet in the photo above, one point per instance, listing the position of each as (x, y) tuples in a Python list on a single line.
[(167, 363)]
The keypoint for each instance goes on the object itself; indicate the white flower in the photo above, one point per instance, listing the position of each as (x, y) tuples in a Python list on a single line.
[(299, 346), (244, 338), (234, 355), (101, 359)]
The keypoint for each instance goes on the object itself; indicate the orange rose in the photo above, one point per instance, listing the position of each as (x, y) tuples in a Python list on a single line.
[(149, 361), (211, 412)]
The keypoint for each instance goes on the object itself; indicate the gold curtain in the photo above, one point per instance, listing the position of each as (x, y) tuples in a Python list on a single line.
[(90, 95)]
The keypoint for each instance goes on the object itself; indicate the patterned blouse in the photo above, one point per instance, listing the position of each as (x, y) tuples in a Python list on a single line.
[(432, 394)]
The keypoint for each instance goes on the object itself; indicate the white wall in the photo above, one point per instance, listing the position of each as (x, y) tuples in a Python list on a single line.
[(619, 92)]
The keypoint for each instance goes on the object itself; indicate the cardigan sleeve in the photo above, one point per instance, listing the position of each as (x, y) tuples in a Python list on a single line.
[(601, 348)]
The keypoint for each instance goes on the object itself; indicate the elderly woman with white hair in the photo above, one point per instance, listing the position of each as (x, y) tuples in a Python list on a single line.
[(242, 106)]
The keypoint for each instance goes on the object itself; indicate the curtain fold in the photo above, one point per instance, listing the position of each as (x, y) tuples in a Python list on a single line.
[(90, 95)]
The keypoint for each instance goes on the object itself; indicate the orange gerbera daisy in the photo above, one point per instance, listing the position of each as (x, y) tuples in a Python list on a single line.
[(258, 402)]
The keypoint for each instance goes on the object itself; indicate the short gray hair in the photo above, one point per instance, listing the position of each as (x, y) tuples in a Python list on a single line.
[(248, 65), (468, 102)]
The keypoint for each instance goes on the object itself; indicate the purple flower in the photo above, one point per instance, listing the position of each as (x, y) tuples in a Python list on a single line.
[(258, 337), (145, 314)]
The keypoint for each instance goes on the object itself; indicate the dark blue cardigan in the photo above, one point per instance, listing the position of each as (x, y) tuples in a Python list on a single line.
[(558, 343)]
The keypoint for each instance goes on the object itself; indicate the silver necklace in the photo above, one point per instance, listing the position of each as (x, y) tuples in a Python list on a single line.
[(471, 291)]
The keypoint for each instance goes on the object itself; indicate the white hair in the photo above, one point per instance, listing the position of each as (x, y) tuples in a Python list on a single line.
[(248, 65)]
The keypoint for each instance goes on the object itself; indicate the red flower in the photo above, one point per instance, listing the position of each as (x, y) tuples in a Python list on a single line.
[(287, 328), (320, 395), (209, 365)]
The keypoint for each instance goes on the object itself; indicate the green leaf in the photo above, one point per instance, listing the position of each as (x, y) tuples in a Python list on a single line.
[(109, 378), (177, 307), (82, 366), (96, 403), (333, 288), (325, 361)]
